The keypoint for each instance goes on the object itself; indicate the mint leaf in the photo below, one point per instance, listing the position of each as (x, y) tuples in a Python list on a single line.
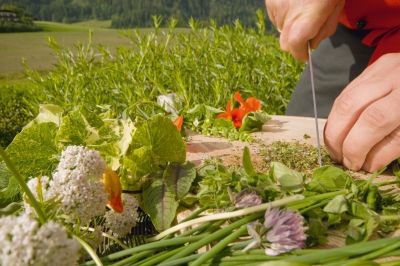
[(287, 178), (254, 121), (337, 205), (329, 178)]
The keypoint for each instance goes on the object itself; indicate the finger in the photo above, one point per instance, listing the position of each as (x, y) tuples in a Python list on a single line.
[(329, 27), (384, 152), (270, 13), (296, 36), (347, 108), (375, 123)]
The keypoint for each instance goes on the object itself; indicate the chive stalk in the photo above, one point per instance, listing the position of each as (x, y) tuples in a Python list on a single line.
[(220, 246), (214, 236), (228, 215)]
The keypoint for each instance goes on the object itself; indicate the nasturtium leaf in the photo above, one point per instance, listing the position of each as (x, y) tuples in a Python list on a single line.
[(160, 203), (33, 153), (329, 178), (254, 121), (76, 130), (179, 178), (337, 205), (47, 113), (162, 137), (287, 178), (247, 163)]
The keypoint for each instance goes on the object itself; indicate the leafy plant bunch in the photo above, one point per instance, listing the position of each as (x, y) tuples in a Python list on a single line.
[(299, 214), (203, 67)]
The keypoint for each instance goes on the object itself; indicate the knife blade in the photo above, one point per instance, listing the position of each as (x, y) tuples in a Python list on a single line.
[(310, 64)]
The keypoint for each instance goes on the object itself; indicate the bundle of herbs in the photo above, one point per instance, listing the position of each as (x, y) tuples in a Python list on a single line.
[(231, 225)]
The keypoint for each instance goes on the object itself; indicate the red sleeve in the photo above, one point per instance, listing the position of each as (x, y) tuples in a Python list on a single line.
[(381, 18)]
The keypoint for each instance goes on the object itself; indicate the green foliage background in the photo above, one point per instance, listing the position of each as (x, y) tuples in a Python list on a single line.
[(201, 65), (138, 13)]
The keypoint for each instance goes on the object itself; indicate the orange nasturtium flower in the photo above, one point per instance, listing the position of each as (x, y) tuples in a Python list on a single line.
[(236, 115), (114, 190), (179, 122)]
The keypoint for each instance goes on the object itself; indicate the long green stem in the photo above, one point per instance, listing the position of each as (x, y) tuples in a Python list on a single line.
[(228, 215), (343, 252), (220, 246), (160, 257), (89, 250), (134, 258), (35, 204), (181, 261), (116, 240), (155, 245), (214, 236)]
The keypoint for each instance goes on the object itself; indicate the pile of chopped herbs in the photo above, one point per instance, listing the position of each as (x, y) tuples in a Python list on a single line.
[(296, 155)]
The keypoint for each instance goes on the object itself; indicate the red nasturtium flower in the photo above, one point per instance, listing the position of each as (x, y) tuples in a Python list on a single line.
[(179, 122), (236, 115)]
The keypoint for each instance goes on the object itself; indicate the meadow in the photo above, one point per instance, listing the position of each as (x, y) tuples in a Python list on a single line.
[(34, 49)]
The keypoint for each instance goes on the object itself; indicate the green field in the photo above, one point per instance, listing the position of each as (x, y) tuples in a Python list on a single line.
[(34, 49)]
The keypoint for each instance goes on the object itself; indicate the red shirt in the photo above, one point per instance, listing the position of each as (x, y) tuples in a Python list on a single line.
[(381, 18)]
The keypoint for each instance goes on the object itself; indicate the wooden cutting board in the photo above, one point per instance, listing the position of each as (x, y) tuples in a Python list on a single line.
[(284, 128)]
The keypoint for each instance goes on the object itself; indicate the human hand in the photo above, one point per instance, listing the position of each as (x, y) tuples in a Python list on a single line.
[(300, 21), (363, 128)]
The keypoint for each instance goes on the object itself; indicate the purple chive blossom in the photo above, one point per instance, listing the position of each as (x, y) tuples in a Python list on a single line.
[(247, 198), (286, 231), (282, 231)]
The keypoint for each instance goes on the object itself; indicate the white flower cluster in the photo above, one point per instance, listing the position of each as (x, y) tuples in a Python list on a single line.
[(24, 242), (121, 224), (33, 187), (77, 184)]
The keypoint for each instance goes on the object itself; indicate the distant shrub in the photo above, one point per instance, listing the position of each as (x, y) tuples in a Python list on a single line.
[(15, 19), (15, 112)]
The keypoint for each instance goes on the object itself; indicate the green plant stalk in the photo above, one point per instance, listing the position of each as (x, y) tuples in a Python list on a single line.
[(89, 250), (378, 253), (116, 240), (134, 258), (181, 261), (159, 257), (220, 246), (24, 187), (322, 203), (209, 227), (311, 200), (214, 236), (343, 252), (195, 214), (155, 245), (228, 215)]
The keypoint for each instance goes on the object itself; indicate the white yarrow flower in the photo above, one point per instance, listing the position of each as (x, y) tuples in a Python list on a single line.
[(121, 224), (87, 162), (77, 183), (24, 242), (33, 187)]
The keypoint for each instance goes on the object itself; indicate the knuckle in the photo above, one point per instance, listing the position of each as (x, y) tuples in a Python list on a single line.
[(394, 137), (375, 117), (344, 104)]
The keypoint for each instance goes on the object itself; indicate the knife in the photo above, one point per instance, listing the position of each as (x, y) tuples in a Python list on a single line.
[(314, 103)]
